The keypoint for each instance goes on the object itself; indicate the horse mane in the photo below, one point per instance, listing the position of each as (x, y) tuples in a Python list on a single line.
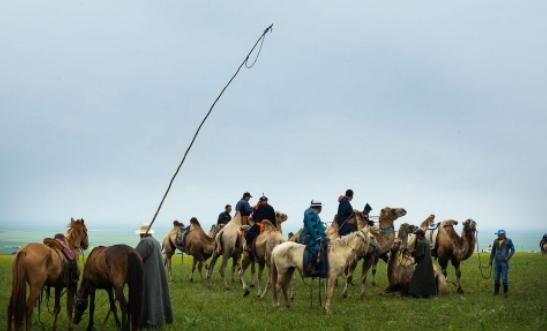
[(345, 240)]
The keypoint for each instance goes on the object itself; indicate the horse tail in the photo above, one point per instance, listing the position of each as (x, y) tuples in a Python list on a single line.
[(17, 306), (136, 289)]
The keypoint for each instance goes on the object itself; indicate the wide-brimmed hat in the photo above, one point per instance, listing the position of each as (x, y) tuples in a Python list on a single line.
[(143, 228), (315, 203)]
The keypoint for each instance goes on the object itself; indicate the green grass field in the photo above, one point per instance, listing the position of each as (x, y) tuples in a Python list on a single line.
[(198, 308)]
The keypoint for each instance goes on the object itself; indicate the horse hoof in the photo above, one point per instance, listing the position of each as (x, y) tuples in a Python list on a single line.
[(460, 290), (246, 292)]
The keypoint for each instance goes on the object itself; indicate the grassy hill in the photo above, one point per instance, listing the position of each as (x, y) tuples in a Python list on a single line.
[(198, 308)]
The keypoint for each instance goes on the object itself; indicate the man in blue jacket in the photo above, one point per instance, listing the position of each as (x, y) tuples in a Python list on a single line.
[(315, 238), (502, 251), (344, 217)]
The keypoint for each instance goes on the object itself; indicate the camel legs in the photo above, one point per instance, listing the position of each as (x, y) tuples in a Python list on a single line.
[(194, 263), (244, 265), (367, 263), (456, 265), (259, 281), (221, 270), (330, 292), (200, 268), (210, 270), (349, 278)]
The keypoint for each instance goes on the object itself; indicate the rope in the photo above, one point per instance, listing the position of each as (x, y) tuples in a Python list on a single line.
[(481, 267), (244, 63)]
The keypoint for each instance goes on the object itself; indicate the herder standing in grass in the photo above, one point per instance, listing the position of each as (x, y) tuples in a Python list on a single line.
[(502, 251), (423, 284), (156, 310)]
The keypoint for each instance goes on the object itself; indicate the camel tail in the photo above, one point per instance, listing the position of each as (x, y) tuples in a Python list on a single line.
[(17, 306), (136, 289), (218, 244), (273, 277)]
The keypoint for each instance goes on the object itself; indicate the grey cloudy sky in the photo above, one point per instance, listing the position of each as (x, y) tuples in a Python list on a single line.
[(432, 106)]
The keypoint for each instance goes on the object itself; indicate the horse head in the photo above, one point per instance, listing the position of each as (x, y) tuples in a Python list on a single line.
[(77, 232)]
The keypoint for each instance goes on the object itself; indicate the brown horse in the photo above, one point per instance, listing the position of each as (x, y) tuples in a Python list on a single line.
[(111, 268), (40, 266)]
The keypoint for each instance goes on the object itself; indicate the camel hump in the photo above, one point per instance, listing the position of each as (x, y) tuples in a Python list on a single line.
[(194, 221), (267, 223), (449, 223)]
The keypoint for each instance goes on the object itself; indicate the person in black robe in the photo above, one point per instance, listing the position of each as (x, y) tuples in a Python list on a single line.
[(423, 284)]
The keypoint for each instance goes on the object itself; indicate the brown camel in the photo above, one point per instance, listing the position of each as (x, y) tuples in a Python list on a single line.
[(427, 222), (264, 244), (229, 245), (199, 245), (38, 266), (399, 273), (385, 235), (169, 246), (451, 247)]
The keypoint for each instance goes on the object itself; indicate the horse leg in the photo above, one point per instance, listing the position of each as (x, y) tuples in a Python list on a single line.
[(113, 306), (123, 306), (57, 307), (36, 286), (367, 263), (330, 292), (456, 265), (91, 309)]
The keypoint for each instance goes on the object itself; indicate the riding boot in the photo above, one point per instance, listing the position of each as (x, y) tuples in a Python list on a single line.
[(496, 289), (505, 289)]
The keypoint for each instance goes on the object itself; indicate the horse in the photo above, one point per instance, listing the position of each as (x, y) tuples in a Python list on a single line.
[(110, 268), (288, 256), (39, 266)]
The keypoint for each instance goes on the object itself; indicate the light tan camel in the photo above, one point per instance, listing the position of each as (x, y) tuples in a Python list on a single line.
[(400, 272), (228, 244), (385, 235), (427, 222), (451, 247), (39, 265), (288, 256), (169, 246), (264, 244), (199, 245)]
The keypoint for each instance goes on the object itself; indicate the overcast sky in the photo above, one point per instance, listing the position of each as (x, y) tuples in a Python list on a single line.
[(432, 106)]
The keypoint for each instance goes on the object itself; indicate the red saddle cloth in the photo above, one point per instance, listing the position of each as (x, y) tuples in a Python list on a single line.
[(66, 248)]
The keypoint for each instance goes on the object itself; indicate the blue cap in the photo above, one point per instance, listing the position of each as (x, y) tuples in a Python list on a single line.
[(500, 231)]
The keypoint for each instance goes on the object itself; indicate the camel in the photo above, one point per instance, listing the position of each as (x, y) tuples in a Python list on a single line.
[(427, 222), (288, 256), (40, 265), (264, 244), (384, 233), (399, 273), (405, 230), (451, 247), (199, 245), (228, 244), (169, 246)]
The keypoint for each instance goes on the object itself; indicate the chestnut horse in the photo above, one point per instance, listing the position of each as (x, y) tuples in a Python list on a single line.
[(40, 266), (111, 268)]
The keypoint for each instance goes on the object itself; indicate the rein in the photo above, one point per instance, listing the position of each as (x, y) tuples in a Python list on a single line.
[(481, 267)]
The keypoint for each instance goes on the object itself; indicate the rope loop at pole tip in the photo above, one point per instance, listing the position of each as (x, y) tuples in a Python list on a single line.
[(244, 63)]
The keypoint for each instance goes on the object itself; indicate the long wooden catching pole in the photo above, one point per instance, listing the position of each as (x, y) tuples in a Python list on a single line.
[(247, 65)]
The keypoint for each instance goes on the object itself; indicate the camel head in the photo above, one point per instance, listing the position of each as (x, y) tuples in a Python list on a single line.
[(469, 225), (396, 245), (280, 217), (388, 214)]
